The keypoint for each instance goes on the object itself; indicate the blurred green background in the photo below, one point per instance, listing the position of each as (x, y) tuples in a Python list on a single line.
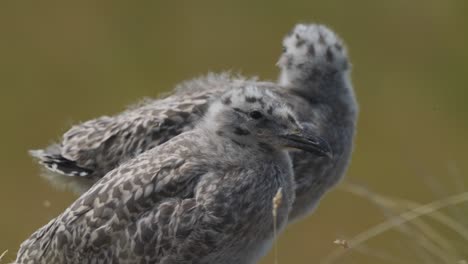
[(63, 62)]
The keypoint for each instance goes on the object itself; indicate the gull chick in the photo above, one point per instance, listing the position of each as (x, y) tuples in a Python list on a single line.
[(205, 196), (315, 81)]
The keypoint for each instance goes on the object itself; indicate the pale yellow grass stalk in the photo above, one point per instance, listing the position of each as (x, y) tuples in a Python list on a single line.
[(276, 203), (435, 244), (3, 254)]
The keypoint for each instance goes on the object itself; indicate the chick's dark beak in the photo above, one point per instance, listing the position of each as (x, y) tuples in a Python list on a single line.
[(309, 143)]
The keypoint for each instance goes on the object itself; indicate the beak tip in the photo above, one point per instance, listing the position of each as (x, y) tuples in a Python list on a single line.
[(316, 145)]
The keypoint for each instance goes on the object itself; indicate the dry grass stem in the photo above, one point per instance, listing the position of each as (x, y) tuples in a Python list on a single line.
[(3, 254), (433, 244), (276, 204), (387, 202)]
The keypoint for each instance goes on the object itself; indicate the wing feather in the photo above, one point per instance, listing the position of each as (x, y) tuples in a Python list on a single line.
[(158, 185)]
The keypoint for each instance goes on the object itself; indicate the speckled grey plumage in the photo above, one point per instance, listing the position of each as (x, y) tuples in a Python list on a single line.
[(91, 149), (315, 71), (314, 80), (205, 196)]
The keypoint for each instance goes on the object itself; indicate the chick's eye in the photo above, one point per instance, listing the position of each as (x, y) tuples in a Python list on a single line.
[(284, 49), (255, 115)]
